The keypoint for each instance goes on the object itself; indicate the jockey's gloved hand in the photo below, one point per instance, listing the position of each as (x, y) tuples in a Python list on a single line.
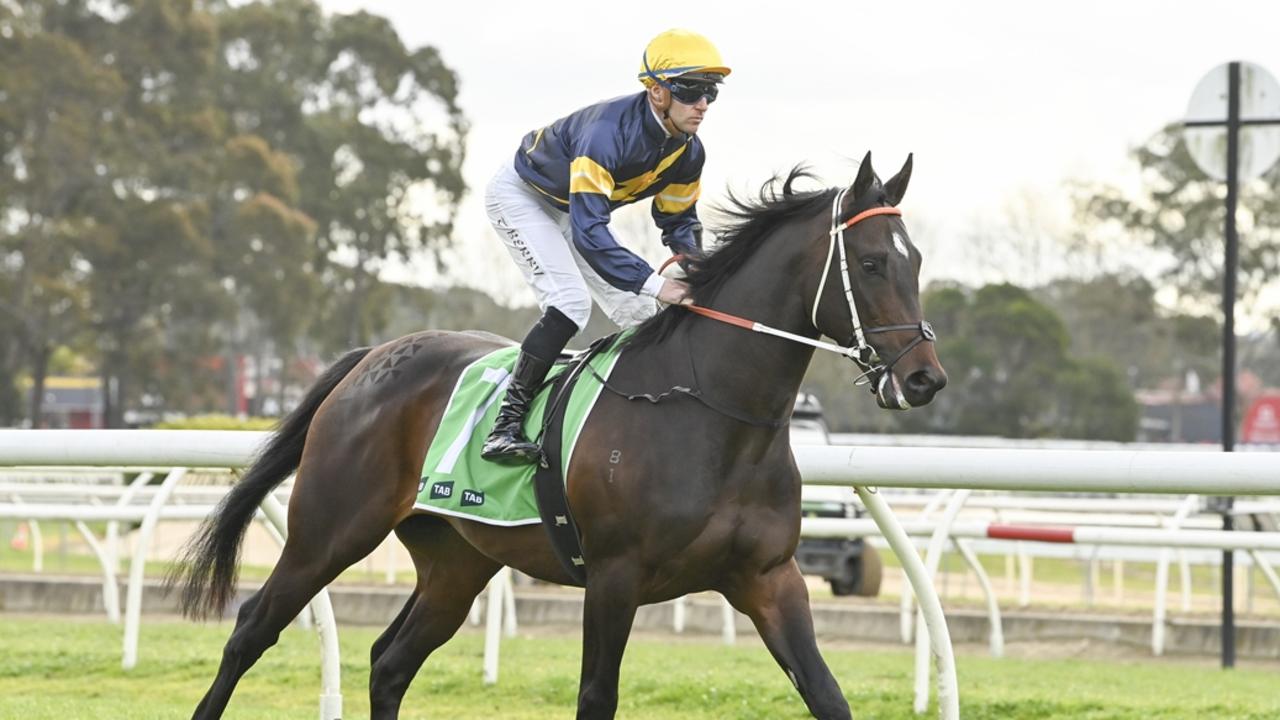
[(674, 292)]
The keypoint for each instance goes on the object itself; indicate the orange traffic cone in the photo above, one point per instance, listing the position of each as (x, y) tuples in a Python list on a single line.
[(21, 538)]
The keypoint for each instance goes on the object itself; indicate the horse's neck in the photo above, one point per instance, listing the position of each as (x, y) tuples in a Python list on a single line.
[(756, 373)]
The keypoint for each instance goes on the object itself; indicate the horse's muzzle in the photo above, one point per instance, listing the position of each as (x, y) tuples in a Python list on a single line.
[(919, 388), (921, 385)]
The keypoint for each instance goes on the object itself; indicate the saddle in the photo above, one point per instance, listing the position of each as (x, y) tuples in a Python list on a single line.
[(458, 482)]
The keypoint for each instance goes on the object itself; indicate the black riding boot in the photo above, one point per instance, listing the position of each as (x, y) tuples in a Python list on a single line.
[(507, 443)]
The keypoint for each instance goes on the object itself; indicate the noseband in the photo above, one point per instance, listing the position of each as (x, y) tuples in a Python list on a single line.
[(876, 373)]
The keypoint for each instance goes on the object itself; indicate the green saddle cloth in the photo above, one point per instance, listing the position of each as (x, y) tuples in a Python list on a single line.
[(457, 481)]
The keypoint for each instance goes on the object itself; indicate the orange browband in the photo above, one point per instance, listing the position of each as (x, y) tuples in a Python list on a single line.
[(866, 214)]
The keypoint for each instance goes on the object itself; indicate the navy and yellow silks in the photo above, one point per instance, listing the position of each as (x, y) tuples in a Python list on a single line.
[(457, 481), (608, 155)]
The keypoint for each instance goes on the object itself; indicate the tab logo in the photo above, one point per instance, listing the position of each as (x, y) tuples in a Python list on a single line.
[(442, 490), (472, 498)]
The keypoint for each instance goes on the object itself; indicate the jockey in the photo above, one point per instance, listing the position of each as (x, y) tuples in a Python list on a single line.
[(551, 207)]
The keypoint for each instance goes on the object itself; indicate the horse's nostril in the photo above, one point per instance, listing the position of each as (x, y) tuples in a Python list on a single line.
[(926, 381)]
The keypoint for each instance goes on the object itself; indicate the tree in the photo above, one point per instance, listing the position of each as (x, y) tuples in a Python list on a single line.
[(1012, 374), (150, 280), (1116, 316), (182, 179), (153, 297), (1179, 213), (374, 131), (1019, 346), (58, 113), (1094, 401), (1024, 241)]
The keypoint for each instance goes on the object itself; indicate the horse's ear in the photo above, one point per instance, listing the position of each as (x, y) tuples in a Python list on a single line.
[(866, 177), (897, 185)]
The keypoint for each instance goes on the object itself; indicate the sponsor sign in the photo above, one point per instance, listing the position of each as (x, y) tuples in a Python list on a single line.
[(1262, 421)]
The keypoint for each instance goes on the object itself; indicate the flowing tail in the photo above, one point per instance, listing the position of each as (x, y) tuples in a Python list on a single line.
[(210, 561)]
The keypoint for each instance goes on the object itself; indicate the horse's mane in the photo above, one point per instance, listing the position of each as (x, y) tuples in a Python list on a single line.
[(751, 220)]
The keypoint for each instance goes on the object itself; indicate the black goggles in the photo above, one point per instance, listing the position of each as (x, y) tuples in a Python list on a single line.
[(689, 92)]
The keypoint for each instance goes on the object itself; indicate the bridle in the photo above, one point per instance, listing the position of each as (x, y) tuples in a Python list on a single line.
[(876, 373)]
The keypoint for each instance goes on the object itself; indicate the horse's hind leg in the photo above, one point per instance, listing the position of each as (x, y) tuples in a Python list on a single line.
[(293, 583), (778, 603), (384, 640), (450, 574), (324, 540)]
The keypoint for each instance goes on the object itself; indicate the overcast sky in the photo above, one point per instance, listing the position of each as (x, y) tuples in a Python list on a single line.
[(999, 101)]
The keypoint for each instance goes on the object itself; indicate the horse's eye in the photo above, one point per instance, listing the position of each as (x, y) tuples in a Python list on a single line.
[(870, 267)]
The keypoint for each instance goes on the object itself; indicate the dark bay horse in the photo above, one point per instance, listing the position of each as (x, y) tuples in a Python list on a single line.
[(681, 496)]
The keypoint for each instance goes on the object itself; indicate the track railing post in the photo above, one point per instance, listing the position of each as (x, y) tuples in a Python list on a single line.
[(922, 584), (932, 558), (1189, 503), (996, 634), (493, 624), (110, 589), (906, 607), (138, 566), (728, 622)]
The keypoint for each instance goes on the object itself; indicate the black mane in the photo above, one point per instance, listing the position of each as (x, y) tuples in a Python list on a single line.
[(751, 221)]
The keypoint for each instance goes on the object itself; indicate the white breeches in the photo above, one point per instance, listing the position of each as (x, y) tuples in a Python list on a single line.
[(540, 241)]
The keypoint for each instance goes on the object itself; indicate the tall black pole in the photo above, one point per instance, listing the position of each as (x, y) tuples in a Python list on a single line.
[(1229, 353), (1224, 503)]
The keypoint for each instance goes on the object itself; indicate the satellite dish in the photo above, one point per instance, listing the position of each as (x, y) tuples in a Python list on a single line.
[(1259, 100)]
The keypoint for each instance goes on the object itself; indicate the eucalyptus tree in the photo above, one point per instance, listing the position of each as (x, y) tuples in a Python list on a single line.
[(1014, 373), (59, 112), (1178, 212), (374, 131), (175, 172)]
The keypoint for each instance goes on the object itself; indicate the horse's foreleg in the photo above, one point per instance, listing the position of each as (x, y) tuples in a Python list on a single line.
[(778, 603), (609, 609), (450, 574)]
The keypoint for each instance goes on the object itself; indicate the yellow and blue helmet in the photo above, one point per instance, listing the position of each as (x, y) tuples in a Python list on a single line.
[(676, 53)]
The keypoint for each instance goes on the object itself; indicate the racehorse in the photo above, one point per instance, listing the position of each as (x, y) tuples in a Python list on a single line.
[(697, 492)]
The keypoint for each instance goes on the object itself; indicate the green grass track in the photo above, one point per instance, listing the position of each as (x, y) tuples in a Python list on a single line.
[(70, 668)]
